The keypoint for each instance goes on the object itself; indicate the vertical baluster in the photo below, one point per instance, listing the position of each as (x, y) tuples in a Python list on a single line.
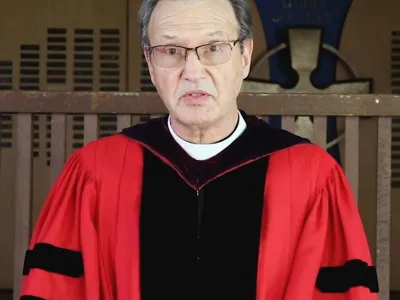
[(383, 206), (351, 153), (23, 196), (90, 130), (320, 129), (123, 121), (58, 144), (288, 123)]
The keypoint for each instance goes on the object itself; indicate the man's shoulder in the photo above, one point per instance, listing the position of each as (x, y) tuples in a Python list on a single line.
[(108, 150), (309, 150), (111, 144), (306, 161), (312, 154)]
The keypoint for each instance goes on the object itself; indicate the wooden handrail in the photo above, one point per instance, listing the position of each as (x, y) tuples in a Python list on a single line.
[(368, 105)]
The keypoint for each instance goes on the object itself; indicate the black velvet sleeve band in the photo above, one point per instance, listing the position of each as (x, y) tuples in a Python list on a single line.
[(55, 260), (352, 274)]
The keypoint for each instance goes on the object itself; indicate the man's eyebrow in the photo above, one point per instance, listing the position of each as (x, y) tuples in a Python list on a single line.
[(216, 33), (212, 34), (169, 37), (218, 36)]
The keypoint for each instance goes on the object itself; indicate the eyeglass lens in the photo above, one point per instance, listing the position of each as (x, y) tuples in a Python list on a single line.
[(212, 54)]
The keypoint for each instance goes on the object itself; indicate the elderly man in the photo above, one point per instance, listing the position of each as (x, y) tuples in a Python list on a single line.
[(205, 203)]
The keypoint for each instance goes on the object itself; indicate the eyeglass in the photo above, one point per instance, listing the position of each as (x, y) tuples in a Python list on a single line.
[(170, 56)]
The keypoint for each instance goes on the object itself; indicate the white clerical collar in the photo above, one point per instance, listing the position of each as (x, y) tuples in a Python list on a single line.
[(206, 151)]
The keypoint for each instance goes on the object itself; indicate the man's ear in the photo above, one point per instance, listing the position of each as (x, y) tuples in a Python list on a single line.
[(247, 49), (147, 55)]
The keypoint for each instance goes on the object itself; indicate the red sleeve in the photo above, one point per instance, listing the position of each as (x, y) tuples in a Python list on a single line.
[(61, 262), (332, 259)]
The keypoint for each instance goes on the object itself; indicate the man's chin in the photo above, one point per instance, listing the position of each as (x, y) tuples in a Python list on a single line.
[(196, 116)]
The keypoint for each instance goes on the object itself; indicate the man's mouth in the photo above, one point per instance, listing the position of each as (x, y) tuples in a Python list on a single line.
[(196, 97), (196, 94)]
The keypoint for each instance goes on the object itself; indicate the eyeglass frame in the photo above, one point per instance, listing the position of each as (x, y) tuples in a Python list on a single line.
[(150, 49)]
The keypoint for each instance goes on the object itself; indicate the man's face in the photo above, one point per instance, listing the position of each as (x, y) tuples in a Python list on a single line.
[(191, 24)]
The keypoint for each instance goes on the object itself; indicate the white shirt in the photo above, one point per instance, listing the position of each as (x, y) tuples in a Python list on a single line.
[(206, 151)]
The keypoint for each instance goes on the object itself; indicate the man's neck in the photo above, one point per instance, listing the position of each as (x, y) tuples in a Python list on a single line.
[(206, 135)]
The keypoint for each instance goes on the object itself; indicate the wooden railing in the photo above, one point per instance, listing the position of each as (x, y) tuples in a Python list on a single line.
[(129, 105)]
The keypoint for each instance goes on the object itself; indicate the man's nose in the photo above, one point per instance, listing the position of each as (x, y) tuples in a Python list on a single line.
[(193, 69)]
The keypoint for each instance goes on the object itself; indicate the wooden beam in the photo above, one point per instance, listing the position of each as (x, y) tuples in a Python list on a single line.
[(365, 105)]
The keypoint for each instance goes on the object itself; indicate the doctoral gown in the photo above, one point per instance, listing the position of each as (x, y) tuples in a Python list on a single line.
[(133, 217)]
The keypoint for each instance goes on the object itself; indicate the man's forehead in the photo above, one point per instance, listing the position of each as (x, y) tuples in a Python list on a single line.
[(193, 11)]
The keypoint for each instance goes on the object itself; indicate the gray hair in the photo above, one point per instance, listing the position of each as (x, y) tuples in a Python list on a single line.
[(240, 7)]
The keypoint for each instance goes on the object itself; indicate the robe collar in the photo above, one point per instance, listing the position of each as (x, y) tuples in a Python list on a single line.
[(257, 141)]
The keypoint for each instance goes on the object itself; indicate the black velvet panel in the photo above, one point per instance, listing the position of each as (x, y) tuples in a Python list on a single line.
[(258, 140), (230, 237), (219, 264), (167, 233)]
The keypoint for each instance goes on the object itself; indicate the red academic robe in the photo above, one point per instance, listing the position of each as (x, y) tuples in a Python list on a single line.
[(85, 244)]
